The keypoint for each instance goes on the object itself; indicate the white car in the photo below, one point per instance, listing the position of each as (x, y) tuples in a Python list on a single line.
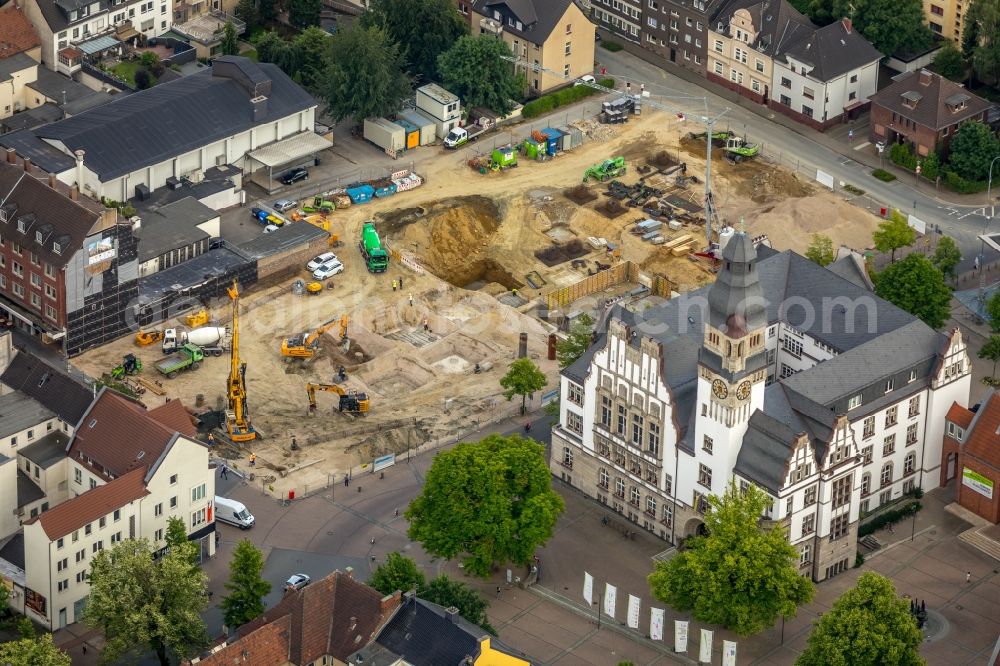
[(318, 261), (586, 78), (329, 269), (296, 582), (271, 228)]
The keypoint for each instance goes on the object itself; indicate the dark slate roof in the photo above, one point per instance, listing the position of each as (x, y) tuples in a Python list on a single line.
[(54, 389), (19, 412), (40, 115), (538, 17), (13, 550), (172, 226), (46, 156), (834, 50), (47, 451), (58, 18), (27, 491), (154, 125), (15, 63), (61, 89), (931, 110), (767, 444), (282, 240), (852, 268), (780, 26)]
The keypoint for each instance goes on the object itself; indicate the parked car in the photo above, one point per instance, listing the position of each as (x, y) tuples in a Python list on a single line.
[(296, 582), (329, 269), (586, 78), (281, 205), (319, 260), (295, 175), (271, 228)]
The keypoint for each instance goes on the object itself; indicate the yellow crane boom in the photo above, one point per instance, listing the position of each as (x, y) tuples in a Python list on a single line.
[(351, 401), (237, 416)]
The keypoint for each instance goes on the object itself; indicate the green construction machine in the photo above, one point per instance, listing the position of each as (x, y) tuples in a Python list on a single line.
[(612, 168), (130, 365), (737, 149), (719, 139)]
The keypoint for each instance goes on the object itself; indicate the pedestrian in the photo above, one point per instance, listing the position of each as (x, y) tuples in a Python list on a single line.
[(498, 591), (394, 285), (642, 88), (347, 480), (411, 300), (968, 576), (381, 475), (373, 541), (224, 473), (211, 439), (253, 459), (425, 324), (604, 71), (396, 513), (400, 283)]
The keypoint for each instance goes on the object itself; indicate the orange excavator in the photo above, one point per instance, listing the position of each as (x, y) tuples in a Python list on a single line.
[(351, 401), (306, 345)]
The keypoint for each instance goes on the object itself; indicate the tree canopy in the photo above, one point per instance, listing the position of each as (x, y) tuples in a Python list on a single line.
[(893, 234), (177, 540), (990, 351), (33, 652), (247, 588), (366, 76), (424, 29), (397, 573), (523, 377), (981, 39), (230, 42), (915, 285), (138, 602), (820, 250), (890, 25), (868, 626), (304, 13), (577, 341), (972, 149), (490, 500), (741, 575), (946, 256), (447, 592), (993, 311), (475, 70), (948, 61)]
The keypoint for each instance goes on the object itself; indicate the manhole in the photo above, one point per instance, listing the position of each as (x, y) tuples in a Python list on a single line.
[(936, 627)]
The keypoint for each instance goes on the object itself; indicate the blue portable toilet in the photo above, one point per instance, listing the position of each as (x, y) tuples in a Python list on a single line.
[(553, 140)]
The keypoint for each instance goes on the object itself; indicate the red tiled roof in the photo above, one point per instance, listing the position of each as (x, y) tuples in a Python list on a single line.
[(119, 435), (266, 645), (959, 415), (175, 416), (16, 32), (983, 441), (91, 505)]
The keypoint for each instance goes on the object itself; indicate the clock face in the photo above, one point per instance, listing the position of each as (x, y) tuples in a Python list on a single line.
[(720, 389), (743, 390)]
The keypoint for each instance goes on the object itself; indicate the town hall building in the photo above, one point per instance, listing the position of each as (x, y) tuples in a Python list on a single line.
[(783, 374)]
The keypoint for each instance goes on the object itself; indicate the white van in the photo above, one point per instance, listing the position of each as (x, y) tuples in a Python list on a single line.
[(233, 512)]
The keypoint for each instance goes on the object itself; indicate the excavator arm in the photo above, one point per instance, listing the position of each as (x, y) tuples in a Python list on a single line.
[(355, 402)]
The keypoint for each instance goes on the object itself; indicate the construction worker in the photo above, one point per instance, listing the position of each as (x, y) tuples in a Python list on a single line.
[(394, 284), (253, 459), (514, 291)]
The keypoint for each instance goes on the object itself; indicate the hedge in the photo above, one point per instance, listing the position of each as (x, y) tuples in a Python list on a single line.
[(614, 47), (552, 101), (963, 186), (888, 518), (884, 175)]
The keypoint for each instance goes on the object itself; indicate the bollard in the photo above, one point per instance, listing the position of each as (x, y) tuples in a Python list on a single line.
[(522, 346)]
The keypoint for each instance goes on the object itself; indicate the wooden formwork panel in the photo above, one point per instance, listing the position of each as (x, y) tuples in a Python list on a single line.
[(617, 274)]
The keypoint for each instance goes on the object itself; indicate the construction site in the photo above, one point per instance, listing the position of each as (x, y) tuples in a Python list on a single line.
[(477, 260)]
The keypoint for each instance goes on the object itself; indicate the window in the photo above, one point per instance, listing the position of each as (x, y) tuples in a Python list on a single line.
[(36, 280), (668, 484), (97, 545), (792, 346), (699, 27), (854, 78), (603, 478), (637, 430), (866, 484), (118, 515), (633, 496), (955, 432), (909, 486), (914, 409), (842, 490), (786, 82), (937, 11), (173, 479), (718, 46), (17, 269), (569, 48), (158, 509), (785, 100), (574, 422), (889, 385), (739, 55), (575, 394), (116, 537), (567, 460), (668, 515), (913, 373), (786, 371), (839, 527), (865, 507), (688, 21), (566, 70), (854, 402), (866, 453), (852, 95), (789, 506), (622, 420), (158, 535), (810, 496), (50, 272), (805, 554), (717, 67), (755, 86), (569, 28), (807, 111), (759, 65), (911, 434), (891, 416), (705, 475), (697, 59), (93, 483), (620, 488), (706, 444), (173, 502), (885, 497), (81, 576), (62, 585), (886, 477), (81, 555), (651, 505), (102, 523), (87, 530), (59, 543), (889, 445), (808, 524), (605, 411), (198, 517), (50, 292), (869, 428)]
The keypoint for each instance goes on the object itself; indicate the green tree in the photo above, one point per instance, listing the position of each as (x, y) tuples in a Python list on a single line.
[(820, 250), (424, 29), (972, 150), (267, 11), (271, 47), (304, 13), (311, 53), (397, 573), (4, 600), (33, 652), (949, 63), (946, 256), (741, 576), (148, 60), (143, 79), (177, 540), (474, 69), (490, 500), (137, 601), (366, 75), (990, 351), (868, 626), (893, 234), (26, 628), (577, 341), (993, 311), (247, 588), (915, 285), (230, 42), (523, 377), (981, 39), (446, 592), (246, 11), (894, 26)]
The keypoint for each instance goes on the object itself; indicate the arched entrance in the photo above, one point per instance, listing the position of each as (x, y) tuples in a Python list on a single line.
[(695, 527)]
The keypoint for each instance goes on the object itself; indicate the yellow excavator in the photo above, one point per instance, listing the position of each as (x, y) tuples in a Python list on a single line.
[(238, 415), (351, 401), (306, 345)]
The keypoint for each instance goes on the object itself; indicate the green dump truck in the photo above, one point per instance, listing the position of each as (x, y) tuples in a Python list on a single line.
[(375, 255), (188, 357)]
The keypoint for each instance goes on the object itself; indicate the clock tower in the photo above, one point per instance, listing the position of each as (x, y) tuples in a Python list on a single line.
[(732, 363)]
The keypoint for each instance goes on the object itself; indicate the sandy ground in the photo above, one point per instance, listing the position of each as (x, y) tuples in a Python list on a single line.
[(469, 238)]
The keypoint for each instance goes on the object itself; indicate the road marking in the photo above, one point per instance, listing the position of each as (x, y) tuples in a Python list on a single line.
[(863, 145)]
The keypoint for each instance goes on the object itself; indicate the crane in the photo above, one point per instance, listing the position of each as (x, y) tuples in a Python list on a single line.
[(351, 401), (307, 344), (711, 215), (237, 416)]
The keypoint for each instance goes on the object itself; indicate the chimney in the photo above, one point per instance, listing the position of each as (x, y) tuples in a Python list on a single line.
[(259, 106), (389, 602), (925, 77), (27, 165), (79, 168), (349, 571), (452, 614), (847, 24), (74, 193), (11, 156), (52, 181)]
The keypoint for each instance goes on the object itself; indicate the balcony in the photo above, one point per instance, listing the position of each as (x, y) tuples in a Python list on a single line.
[(489, 26), (70, 60)]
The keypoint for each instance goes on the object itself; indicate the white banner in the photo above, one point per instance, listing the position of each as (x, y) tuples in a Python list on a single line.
[(633, 612), (705, 649), (918, 225), (610, 593), (656, 624), (824, 179), (680, 636), (728, 653), (588, 588)]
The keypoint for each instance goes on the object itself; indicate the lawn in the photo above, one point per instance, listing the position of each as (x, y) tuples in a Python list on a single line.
[(126, 70)]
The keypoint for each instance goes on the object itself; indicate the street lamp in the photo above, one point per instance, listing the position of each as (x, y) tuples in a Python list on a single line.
[(989, 185)]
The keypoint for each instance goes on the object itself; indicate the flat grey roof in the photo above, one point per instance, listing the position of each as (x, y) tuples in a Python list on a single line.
[(19, 412), (48, 450), (213, 264), (285, 238), (27, 491)]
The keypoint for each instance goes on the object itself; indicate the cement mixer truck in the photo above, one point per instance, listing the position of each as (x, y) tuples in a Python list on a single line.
[(212, 339)]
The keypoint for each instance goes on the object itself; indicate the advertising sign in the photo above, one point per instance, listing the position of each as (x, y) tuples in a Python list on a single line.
[(588, 588), (633, 612), (610, 595), (977, 482), (384, 461), (100, 250), (34, 601), (656, 624), (680, 635)]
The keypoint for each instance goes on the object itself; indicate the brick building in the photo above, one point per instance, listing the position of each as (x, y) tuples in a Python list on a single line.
[(971, 453)]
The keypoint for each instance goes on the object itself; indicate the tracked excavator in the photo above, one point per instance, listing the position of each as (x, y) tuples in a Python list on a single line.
[(306, 345), (351, 401)]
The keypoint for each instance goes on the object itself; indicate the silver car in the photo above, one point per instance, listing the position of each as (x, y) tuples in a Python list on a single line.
[(281, 205), (296, 582)]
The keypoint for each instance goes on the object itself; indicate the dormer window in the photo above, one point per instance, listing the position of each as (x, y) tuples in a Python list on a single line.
[(21, 226), (38, 237), (910, 99), (57, 248)]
